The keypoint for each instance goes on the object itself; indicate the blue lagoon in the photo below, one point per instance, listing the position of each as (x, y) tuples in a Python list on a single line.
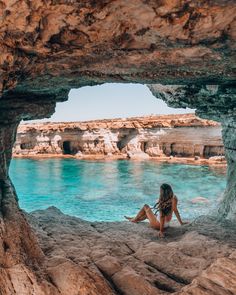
[(108, 190)]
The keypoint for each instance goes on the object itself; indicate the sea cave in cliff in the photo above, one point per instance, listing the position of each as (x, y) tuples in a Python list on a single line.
[(184, 51)]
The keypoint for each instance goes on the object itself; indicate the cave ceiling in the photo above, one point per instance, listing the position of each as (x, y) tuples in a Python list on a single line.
[(49, 47)]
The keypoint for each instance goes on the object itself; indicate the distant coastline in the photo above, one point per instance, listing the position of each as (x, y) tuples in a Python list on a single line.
[(181, 138)]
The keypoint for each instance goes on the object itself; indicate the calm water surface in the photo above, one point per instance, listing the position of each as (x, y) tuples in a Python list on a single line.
[(108, 190)]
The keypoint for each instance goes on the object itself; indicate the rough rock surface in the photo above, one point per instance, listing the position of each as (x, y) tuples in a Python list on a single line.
[(155, 136), (96, 41), (48, 47), (130, 259), (219, 103)]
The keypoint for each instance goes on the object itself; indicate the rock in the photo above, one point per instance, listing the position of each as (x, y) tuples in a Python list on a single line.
[(47, 49), (217, 158), (153, 136), (130, 259), (199, 200), (137, 155), (72, 279), (130, 283), (219, 278), (109, 265)]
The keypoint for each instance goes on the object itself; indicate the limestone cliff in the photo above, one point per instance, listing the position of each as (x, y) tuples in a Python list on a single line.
[(48, 47), (142, 137)]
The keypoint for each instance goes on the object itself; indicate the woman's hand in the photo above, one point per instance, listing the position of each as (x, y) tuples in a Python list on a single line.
[(161, 235), (184, 222)]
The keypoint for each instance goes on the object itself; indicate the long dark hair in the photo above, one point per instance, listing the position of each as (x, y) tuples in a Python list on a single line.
[(164, 205)]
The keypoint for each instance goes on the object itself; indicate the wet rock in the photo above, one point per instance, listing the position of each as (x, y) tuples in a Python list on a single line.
[(199, 200)]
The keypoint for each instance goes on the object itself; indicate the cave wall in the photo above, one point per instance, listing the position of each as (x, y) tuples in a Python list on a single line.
[(219, 103), (49, 47)]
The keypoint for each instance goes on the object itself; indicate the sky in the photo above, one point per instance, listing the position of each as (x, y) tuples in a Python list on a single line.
[(111, 100)]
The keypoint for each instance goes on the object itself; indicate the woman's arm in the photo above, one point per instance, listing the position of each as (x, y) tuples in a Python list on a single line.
[(162, 222), (176, 211), (178, 216)]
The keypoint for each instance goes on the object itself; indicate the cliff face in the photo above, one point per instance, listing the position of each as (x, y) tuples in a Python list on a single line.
[(48, 47), (155, 136)]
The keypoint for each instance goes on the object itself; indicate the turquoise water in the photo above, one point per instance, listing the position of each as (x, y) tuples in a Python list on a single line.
[(108, 190)]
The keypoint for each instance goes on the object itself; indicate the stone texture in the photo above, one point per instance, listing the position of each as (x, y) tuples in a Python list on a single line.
[(192, 259), (69, 43), (229, 203), (19, 248), (219, 103), (49, 47), (140, 138)]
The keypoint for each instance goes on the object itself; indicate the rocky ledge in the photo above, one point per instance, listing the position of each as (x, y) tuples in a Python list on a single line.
[(124, 258), (167, 137)]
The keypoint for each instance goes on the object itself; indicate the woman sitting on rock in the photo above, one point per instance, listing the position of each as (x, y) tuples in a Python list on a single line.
[(166, 205)]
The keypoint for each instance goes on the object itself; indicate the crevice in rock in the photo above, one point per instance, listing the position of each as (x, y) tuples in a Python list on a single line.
[(229, 148), (5, 246), (164, 287), (171, 276), (131, 250), (110, 282), (50, 280), (11, 284)]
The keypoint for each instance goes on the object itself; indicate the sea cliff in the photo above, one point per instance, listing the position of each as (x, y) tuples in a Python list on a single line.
[(160, 137)]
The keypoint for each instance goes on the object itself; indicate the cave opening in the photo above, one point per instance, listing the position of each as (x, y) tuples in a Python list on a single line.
[(27, 145), (172, 149), (96, 142), (67, 150), (23, 146), (212, 151), (144, 146), (121, 144)]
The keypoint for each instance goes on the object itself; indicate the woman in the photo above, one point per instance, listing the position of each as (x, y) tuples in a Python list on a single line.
[(166, 205)]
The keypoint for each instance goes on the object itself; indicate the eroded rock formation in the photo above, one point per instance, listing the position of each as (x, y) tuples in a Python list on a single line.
[(181, 136), (132, 260), (48, 47), (219, 103)]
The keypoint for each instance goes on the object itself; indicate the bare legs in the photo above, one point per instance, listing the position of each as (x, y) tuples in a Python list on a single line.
[(146, 213), (139, 217)]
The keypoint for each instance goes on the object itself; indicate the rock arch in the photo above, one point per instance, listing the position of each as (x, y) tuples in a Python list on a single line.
[(189, 45)]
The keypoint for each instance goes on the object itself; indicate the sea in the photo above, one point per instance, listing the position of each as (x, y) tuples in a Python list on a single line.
[(108, 190)]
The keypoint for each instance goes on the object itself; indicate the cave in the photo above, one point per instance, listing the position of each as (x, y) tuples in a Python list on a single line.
[(96, 142), (144, 145), (183, 51), (24, 146), (121, 144), (181, 150), (123, 140), (67, 148), (173, 152), (212, 151)]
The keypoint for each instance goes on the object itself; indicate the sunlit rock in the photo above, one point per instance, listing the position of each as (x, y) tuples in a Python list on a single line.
[(180, 136), (49, 47)]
